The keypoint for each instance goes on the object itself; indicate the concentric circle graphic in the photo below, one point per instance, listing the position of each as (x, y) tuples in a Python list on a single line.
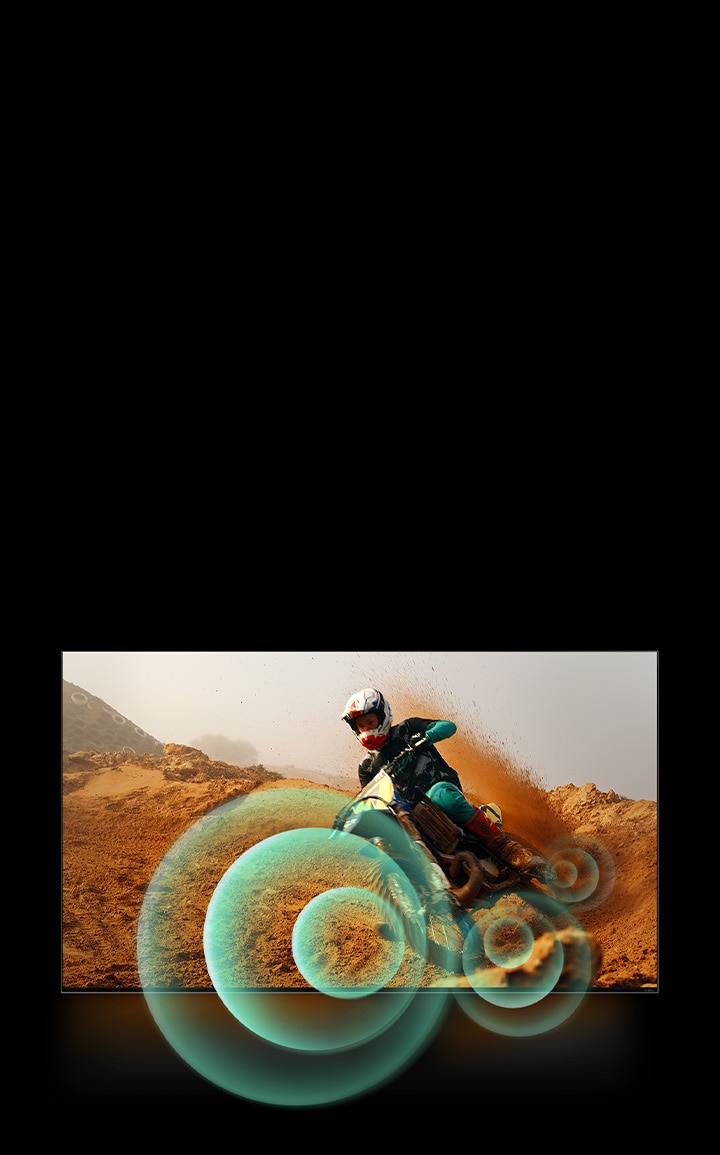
[(284, 960), (282, 1046), (585, 871), (500, 945), (578, 875), (514, 959), (236, 955)]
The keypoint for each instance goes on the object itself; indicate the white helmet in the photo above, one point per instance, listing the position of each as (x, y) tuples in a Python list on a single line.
[(369, 702)]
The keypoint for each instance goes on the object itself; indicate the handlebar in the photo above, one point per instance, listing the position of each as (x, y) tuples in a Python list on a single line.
[(398, 757)]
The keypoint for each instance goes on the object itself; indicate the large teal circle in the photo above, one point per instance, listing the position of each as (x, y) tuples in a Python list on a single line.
[(327, 1023), (212, 1042), (329, 1051)]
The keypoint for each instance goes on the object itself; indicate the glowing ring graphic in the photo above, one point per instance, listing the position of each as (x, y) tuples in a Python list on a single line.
[(513, 996), (236, 946), (334, 913), (508, 942), (585, 871), (199, 1025), (217, 1047)]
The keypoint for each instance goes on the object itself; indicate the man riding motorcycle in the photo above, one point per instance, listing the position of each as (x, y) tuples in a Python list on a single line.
[(368, 715)]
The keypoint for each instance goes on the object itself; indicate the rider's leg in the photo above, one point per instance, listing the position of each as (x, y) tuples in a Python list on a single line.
[(452, 801), (497, 840), (474, 819)]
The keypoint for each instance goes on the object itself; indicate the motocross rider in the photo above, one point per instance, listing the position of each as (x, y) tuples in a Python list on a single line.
[(368, 715)]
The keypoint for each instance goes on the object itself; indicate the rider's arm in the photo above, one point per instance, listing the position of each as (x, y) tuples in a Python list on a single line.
[(365, 771), (439, 730), (433, 730)]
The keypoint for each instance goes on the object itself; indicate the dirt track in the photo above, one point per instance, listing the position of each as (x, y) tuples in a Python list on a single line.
[(123, 813)]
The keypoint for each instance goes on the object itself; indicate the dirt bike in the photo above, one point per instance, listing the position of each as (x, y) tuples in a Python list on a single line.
[(450, 869)]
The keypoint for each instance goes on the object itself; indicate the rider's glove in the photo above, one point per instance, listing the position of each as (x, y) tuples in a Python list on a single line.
[(417, 740)]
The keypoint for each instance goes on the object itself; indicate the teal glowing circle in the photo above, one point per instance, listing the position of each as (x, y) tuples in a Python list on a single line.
[(273, 873), (578, 875), (585, 871), (508, 942), (520, 1022), (295, 1048), (522, 1001), (497, 975), (324, 948), (211, 1041)]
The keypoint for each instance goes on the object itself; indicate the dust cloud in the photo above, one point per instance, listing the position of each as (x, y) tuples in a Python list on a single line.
[(487, 772)]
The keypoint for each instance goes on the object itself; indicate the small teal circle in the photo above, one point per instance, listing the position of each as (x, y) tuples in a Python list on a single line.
[(323, 940), (501, 943), (578, 875), (508, 942), (585, 871)]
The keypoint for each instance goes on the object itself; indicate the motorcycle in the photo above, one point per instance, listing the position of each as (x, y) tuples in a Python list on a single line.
[(451, 871)]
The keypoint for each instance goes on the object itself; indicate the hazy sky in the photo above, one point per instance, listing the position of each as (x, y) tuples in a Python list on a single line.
[(569, 716)]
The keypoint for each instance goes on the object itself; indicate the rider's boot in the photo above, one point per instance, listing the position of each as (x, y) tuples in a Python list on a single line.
[(496, 840)]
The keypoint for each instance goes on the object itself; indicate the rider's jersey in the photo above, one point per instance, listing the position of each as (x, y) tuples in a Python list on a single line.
[(420, 770)]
